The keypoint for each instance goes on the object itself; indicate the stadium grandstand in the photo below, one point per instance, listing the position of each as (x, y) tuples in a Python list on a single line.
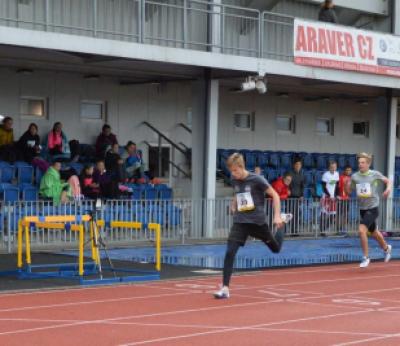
[(140, 103)]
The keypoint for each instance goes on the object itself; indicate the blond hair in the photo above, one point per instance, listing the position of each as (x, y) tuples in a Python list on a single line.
[(366, 156), (235, 159)]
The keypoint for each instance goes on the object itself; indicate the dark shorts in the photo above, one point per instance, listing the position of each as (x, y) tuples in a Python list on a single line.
[(368, 218), (241, 231)]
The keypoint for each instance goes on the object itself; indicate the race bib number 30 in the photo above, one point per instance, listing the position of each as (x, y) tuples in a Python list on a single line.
[(364, 190), (245, 202)]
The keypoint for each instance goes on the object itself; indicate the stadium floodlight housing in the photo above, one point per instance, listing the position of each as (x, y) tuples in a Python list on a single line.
[(261, 86), (248, 85)]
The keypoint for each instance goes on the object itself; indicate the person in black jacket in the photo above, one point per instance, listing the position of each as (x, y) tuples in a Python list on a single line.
[(327, 13), (29, 143), (114, 163)]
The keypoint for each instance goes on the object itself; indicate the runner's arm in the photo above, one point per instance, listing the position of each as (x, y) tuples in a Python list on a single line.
[(388, 189)]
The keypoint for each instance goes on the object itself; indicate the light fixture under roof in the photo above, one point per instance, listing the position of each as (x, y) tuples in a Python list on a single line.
[(25, 71), (92, 77)]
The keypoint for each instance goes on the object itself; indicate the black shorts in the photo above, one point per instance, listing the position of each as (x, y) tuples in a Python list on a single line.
[(240, 231), (368, 218)]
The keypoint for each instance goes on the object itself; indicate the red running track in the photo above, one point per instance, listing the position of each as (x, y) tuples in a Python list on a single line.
[(330, 305)]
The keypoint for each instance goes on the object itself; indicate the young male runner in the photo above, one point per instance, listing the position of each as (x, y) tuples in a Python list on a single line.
[(249, 219), (365, 181)]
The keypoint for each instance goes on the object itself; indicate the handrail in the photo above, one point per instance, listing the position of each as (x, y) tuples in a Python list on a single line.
[(176, 146), (184, 126)]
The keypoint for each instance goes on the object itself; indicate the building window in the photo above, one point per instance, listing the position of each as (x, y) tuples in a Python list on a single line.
[(286, 123), (244, 121), (361, 128), (33, 107), (93, 110), (324, 126)]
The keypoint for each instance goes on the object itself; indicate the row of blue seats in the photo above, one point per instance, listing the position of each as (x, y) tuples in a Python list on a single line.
[(281, 159)]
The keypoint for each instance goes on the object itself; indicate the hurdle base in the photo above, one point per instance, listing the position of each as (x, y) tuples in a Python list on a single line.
[(69, 271)]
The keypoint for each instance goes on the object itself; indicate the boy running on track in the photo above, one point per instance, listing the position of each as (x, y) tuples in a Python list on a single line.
[(249, 217), (365, 181)]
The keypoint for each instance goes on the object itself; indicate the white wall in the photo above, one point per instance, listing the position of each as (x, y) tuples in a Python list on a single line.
[(265, 136)]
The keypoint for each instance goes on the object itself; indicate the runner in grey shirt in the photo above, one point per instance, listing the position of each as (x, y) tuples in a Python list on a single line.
[(366, 182), (249, 219)]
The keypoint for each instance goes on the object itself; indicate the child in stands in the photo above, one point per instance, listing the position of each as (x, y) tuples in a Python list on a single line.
[(89, 187)]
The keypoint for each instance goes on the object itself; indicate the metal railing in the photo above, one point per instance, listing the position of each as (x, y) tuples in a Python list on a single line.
[(187, 220), (191, 24)]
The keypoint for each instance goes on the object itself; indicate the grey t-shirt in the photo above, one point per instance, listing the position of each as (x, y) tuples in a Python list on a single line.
[(250, 197), (366, 186)]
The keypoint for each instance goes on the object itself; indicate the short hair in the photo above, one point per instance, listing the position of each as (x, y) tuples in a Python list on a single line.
[(7, 119), (297, 159), (347, 167), (130, 143), (332, 162), (99, 160), (105, 127), (235, 159), (366, 156), (287, 174)]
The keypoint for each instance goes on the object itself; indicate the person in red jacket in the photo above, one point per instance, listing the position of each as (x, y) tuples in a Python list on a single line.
[(281, 186)]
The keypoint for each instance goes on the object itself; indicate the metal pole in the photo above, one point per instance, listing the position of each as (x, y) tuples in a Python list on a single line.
[(260, 34), (47, 14), (222, 28), (94, 18), (185, 21), (142, 20), (159, 156)]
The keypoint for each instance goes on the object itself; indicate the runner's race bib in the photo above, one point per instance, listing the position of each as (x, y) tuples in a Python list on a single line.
[(364, 190), (245, 202)]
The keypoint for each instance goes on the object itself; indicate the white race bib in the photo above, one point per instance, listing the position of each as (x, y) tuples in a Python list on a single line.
[(245, 202), (364, 190)]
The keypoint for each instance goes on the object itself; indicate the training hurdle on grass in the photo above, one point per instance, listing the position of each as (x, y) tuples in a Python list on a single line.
[(77, 223)]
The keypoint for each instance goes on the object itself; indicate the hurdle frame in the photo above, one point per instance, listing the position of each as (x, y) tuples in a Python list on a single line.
[(76, 223)]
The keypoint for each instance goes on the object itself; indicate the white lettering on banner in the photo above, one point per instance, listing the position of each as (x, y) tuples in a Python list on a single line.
[(345, 48), (356, 302)]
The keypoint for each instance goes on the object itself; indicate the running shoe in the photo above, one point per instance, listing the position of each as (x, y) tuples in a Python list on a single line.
[(223, 293), (365, 262), (388, 253)]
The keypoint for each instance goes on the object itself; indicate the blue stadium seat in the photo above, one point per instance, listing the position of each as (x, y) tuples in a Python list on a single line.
[(309, 177), (274, 160), (25, 174), (397, 163), (250, 160), (30, 193), (318, 176), (173, 215), (77, 166), (7, 174), (262, 160), (321, 161), (137, 193), (272, 175), (308, 161), (342, 161), (286, 161), (307, 192), (11, 194), (150, 194), (352, 161), (38, 176), (165, 194)]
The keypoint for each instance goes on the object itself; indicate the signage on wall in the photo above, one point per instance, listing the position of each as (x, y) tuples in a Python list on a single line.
[(345, 48)]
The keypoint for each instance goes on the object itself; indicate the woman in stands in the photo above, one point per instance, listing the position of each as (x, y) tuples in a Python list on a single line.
[(89, 187), (115, 164), (366, 182), (249, 218), (105, 140), (57, 142), (109, 187), (29, 143), (8, 151)]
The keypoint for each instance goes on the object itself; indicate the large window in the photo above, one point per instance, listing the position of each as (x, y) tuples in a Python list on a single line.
[(361, 128), (285, 123), (93, 110), (324, 126), (33, 106), (244, 121)]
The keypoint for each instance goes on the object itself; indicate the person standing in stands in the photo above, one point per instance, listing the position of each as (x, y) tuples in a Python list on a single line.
[(8, 151), (249, 218), (105, 140), (330, 186), (327, 13), (296, 194), (366, 182), (29, 143)]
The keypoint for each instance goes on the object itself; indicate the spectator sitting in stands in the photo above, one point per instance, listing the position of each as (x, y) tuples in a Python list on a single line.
[(29, 143), (105, 140), (8, 151), (133, 162), (51, 186), (327, 13), (115, 164), (109, 188), (257, 170), (281, 186), (89, 187), (57, 143)]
